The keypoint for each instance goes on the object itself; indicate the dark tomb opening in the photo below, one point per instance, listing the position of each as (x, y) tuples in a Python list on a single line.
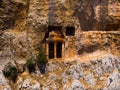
[(70, 31), (54, 28), (59, 50), (51, 50)]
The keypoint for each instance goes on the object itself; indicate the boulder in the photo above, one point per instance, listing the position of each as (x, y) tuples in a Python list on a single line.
[(113, 81), (76, 85), (36, 86), (3, 81), (20, 66), (28, 85)]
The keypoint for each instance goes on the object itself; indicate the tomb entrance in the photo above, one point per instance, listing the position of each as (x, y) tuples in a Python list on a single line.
[(55, 43)]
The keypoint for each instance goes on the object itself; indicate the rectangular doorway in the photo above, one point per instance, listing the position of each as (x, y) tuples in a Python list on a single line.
[(51, 50), (59, 50)]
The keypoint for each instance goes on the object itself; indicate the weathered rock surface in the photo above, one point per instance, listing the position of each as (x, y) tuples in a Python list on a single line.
[(12, 14), (27, 84), (113, 80), (3, 81), (4, 85), (88, 42), (23, 24), (84, 15), (101, 73), (13, 47)]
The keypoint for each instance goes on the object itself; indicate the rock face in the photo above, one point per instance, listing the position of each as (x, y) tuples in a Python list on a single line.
[(89, 15), (12, 14), (100, 73), (2, 79), (26, 85), (84, 15), (88, 42), (13, 47), (4, 83), (98, 14), (112, 82), (23, 24)]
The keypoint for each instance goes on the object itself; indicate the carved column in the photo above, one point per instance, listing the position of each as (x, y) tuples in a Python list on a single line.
[(47, 52), (63, 50), (55, 50)]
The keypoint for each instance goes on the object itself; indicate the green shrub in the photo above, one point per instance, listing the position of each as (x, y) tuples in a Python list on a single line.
[(11, 72), (41, 57), (41, 60), (31, 65), (6, 73)]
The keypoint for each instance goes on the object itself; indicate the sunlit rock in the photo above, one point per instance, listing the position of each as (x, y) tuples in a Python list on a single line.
[(3, 81), (76, 85), (113, 80)]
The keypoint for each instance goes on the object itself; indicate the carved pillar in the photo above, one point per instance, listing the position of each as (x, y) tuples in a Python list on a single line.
[(55, 50), (63, 50), (72, 47), (69, 47), (47, 52)]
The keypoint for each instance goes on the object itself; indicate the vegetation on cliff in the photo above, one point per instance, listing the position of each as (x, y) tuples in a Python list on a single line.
[(11, 72), (41, 60), (31, 65)]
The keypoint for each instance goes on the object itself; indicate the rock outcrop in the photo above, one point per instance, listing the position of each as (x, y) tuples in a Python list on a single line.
[(99, 73), (4, 85), (88, 42), (23, 24), (12, 14)]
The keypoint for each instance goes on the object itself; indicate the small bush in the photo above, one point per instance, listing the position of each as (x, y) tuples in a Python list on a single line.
[(41, 60), (11, 72), (31, 65), (14, 73), (6, 73)]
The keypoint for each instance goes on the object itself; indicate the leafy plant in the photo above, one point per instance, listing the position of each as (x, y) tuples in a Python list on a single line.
[(11, 72), (31, 65), (41, 60)]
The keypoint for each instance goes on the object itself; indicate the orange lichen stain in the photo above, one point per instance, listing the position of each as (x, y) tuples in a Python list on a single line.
[(55, 39)]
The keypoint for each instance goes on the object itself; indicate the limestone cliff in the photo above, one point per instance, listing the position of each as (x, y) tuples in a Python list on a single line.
[(23, 25), (89, 15), (92, 73), (29, 18), (12, 14)]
